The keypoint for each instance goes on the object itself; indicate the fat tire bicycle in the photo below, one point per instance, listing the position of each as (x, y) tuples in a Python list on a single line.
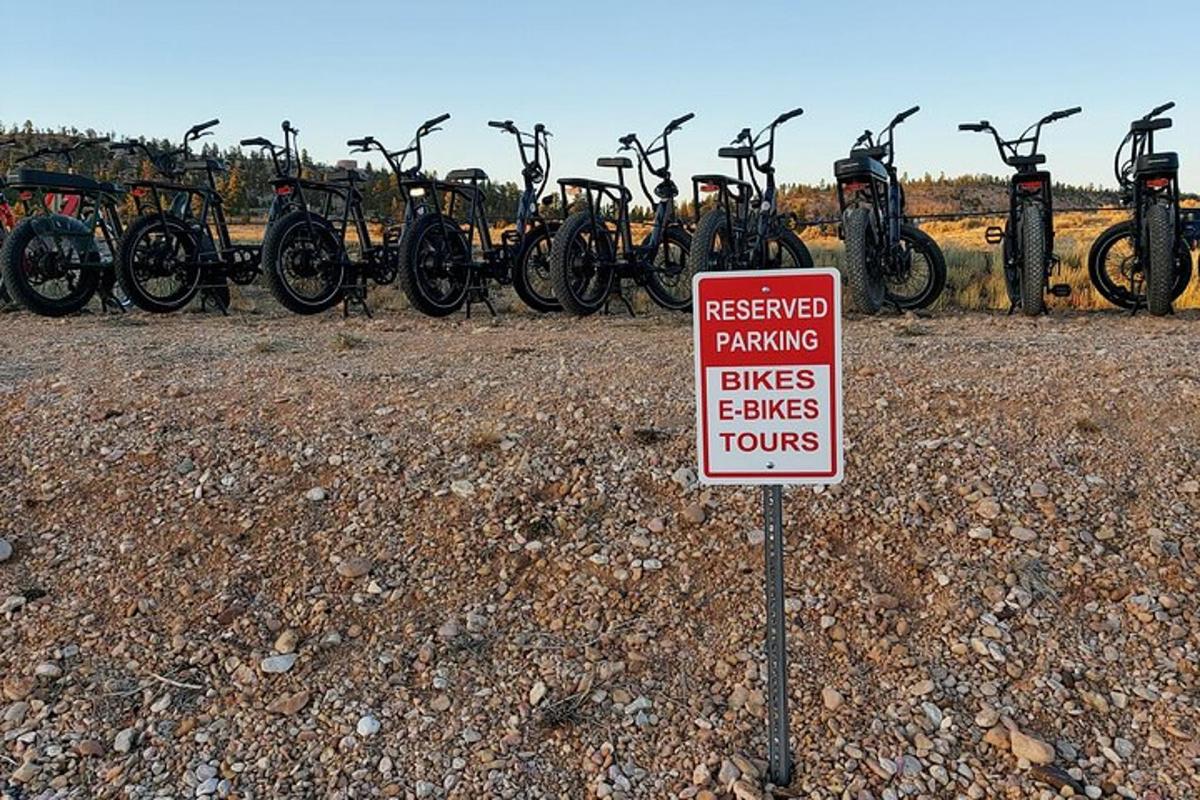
[(1028, 233), (888, 259), (594, 253), (61, 253), (1146, 261), (438, 269), (179, 246), (309, 265), (744, 228)]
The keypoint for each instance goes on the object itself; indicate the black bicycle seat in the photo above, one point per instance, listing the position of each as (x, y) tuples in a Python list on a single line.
[(1027, 161), (615, 162), (347, 176), (735, 152), (468, 174), (64, 181)]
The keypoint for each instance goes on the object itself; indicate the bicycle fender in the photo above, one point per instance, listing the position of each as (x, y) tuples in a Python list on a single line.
[(59, 226)]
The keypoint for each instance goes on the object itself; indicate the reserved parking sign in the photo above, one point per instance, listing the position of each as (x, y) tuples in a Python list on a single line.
[(768, 376)]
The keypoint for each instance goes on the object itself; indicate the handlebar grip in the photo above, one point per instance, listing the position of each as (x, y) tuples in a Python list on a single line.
[(1161, 109), (903, 115), (678, 121), (363, 142), (970, 126), (435, 121), (1066, 112), (627, 139), (501, 125), (782, 118), (203, 126), (257, 141)]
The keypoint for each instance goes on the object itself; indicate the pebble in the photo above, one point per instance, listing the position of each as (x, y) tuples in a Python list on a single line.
[(278, 663), (289, 704), (1030, 748), (832, 698), (6, 550), (316, 494), (1022, 534), (124, 741), (286, 641), (537, 693), (367, 725), (354, 567), (694, 513)]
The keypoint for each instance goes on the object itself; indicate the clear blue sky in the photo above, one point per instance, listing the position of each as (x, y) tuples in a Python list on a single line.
[(594, 71)]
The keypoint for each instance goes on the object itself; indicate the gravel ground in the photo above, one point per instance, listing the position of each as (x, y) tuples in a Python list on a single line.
[(264, 556)]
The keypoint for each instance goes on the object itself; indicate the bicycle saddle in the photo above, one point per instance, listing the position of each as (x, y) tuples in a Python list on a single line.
[(615, 162), (859, 166), (45, 179), (469, 174), (1027, 161), (735, 152), (346, 176)]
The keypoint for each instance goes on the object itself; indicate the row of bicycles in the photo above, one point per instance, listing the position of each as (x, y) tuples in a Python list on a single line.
[(69, 243)]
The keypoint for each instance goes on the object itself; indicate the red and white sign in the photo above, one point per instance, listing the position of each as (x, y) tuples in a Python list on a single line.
[(768, 376)]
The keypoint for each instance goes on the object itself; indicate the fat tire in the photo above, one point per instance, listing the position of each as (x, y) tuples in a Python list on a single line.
[(867, 289), (124, 266), (276, 283), (654, 287), (520, 273), (1160, 247), (709, 231), (560, 252), (410, 262), (1033, 261), (13, 277), (795, 247)]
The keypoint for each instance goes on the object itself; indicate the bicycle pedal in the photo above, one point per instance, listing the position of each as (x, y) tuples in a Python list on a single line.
[(1060, 289)]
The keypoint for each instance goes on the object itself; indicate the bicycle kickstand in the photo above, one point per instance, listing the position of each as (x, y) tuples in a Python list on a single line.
[(208, 296), (478, 293), (619, 293)]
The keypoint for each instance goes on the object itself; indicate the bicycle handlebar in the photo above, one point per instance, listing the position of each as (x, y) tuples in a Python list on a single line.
[(1160, 109), (428, 124), (363, 142), (975, 127), (784, 117), (678, 122), (903, 115), (257, 141), (203, 126), (1057, 115)]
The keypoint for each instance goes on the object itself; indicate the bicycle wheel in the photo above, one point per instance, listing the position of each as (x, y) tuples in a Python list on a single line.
[(1160, 249), (922, 277), (786, 250), (581, 264), (303, 263), (531, 272), (669, 282), (156, 264), (710, 251), (1033, 255), (49, 265), (435, 262), (1116, 273), (863, 276)]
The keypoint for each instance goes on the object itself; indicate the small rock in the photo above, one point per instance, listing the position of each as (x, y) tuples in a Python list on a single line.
[(449, 631), (89, 748), (987, 717), (832, 698), (440, 703), (289, 704), (354, 567), (1055, 777), (694, 513), (537, 693), (279, 663), (18, 687), (286, 641), (125, 740), (755, 537), (997, 737), (1038, 490), (316, 494), (701, 776), (988, 508), (1022, 534), (367, 725), (728, 773), (48, 669), (25, 773), (462, 488), (1030, 748), (5, 550)]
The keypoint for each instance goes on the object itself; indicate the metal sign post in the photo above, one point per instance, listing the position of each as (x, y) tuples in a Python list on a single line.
[(769, 413), (779, 752)]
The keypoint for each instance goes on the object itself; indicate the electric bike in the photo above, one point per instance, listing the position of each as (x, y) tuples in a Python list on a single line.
[(309, 264), (438, 271), (743, 228), (594, 253), (1145, 261), (888, 259), (61, 253), (1028, 234)]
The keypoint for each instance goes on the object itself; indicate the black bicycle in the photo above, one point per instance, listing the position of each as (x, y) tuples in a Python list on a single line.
[(1145, 262), (742, 227), (438, 270), (594, 252), (179, 244), (1028, 234), (60, 254), (888, 258), (309, 263)]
